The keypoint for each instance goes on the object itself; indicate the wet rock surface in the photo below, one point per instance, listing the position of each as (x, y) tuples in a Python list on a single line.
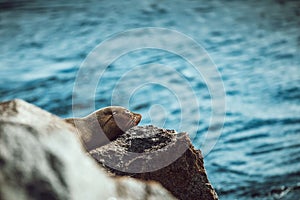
[(151, 153), (41, 158)]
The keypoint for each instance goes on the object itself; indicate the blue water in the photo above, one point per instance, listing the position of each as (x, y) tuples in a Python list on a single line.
[(254, 44)]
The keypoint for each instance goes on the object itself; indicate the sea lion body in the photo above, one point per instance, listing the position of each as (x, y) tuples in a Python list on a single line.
[(104, 125)]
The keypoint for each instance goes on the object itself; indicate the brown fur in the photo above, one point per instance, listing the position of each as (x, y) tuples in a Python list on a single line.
[(104, 125)]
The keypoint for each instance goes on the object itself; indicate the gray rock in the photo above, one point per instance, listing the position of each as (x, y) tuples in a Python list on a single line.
[(151, 153), (41, 158)]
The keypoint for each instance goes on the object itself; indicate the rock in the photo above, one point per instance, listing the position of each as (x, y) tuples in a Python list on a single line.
[(41, 158), (150, 153)]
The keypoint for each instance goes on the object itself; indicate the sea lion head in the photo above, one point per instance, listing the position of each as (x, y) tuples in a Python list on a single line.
[(104, 125), (115, 120)]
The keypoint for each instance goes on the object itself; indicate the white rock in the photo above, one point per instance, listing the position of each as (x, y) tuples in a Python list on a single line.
[(41, 158)]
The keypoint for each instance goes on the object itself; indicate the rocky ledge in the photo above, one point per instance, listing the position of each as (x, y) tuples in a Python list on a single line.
[(42, 158), (151, 153)]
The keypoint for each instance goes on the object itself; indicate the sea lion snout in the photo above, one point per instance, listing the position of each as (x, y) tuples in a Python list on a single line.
[(137, 118)]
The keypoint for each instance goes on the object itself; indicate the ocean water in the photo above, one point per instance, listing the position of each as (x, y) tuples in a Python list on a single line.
[(255, 46)]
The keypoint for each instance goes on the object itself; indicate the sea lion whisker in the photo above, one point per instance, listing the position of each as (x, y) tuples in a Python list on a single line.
[(130, 123)]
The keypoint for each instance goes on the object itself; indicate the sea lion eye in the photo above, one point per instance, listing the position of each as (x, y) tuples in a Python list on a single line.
[(127, 111), (114, 112)]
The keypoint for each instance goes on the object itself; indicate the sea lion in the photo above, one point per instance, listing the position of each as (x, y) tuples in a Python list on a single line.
[(104, 125)]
